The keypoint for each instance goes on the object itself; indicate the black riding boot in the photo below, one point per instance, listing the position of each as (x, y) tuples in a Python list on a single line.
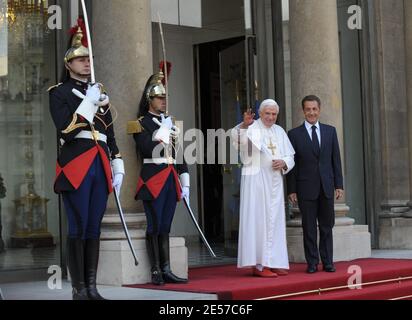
[(168, 276), (152, 245), (75, 263), (91, 261)]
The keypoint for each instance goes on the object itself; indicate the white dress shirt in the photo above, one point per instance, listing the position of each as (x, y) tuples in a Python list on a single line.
[(309, 130)]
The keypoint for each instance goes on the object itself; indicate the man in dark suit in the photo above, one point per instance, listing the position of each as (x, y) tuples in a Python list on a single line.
[(315, 182)]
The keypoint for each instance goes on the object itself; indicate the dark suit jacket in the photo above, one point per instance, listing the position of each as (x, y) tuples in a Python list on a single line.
[(312, 171)]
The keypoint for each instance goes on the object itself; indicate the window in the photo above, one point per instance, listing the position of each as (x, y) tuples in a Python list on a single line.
[(29, 212)]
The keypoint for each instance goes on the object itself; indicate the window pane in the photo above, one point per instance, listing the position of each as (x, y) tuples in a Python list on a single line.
[(29, 208)]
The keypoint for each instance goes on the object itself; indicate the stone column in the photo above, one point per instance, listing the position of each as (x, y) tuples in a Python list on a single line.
[(395, 223), (315, 69), (408, 51), (315, 64), (122, 44), (122, 40), (395, 229)]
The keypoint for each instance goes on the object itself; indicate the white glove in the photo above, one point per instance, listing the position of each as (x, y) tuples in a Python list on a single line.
[(118, 174), (90, 103), (185, 193), (118, 166), (93, 93), (163, 134), (117, 182), (185, 182), (167, 122)]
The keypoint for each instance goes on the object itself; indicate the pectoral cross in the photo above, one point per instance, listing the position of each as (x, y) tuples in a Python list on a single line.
[(272, 147)]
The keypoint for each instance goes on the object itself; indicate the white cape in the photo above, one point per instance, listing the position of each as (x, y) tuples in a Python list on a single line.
[(262, 230)]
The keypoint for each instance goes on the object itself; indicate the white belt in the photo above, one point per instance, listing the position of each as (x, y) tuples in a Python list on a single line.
[(160, 161), (88, 135)]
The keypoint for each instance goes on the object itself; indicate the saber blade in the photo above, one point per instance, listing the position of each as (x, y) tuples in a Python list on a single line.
[(212, 253), (86, 22), (162, 37), (126, 231)]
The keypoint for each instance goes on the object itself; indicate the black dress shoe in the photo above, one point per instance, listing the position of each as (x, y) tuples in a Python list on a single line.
[(157, 278), (80, 294), (312, 269), (93, 294), (329, 268), (169, 277)]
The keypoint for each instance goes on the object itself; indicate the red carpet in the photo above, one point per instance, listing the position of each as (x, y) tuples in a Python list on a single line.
[(230, 283)]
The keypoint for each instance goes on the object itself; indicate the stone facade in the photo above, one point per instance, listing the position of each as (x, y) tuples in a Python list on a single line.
[(314, 67)]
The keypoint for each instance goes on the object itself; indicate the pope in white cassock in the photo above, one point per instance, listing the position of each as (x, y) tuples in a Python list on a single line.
[(267, 155)]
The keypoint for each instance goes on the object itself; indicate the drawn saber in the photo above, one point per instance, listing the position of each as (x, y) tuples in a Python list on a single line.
[(192, 216), (176, 132), (162, 37), (89, 38), (93, 80), (126, 231)]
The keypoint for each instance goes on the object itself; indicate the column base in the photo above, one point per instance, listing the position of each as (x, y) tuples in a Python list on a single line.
[(350, 242), (395, 232), (116, 262), (117, 268)]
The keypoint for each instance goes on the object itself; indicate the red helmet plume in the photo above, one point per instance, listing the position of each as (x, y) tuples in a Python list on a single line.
[(82, 26), (162, 67)]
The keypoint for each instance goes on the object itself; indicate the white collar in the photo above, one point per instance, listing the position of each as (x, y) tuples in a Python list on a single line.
[(309, 126), (262, 125)]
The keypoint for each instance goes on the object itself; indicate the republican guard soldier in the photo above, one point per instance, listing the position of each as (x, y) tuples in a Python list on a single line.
[(162, 181), (89, 164)]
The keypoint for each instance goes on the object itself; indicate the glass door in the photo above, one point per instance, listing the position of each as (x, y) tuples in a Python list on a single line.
[(226, 88), (233, 93)]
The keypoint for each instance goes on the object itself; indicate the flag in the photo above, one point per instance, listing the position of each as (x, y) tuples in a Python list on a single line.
[(256, 109), (257, 103), (239, 117), (239, 120)]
